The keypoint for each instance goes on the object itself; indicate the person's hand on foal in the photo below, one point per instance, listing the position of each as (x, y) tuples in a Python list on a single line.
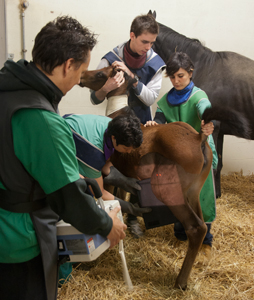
[(114, 82), (207, 128), (122, 66), (150, 123)]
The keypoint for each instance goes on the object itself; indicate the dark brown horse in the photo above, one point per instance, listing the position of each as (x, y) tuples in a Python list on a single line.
[(178, 160), (226, 77)]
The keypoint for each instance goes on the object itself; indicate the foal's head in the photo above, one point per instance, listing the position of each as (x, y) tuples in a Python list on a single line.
[(96, 79)]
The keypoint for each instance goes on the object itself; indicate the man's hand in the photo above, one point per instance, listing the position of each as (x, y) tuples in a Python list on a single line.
[(117, 232), (122, 66), (113, 82), (117, 179), (135, 210)]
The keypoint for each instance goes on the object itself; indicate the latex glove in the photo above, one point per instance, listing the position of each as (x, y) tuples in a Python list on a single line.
[(135, 210), (117, 179)]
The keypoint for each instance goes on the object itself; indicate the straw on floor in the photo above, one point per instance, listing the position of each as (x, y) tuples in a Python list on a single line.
[(154, 261)]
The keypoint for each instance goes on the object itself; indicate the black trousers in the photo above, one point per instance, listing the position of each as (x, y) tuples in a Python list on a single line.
[(23, 281), (133, 200)]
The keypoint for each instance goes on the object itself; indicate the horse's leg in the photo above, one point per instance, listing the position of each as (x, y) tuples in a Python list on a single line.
[(195, 230), (167, 187), (220, 164)]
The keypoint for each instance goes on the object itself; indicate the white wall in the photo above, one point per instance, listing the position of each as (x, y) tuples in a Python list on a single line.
[(220, 25)]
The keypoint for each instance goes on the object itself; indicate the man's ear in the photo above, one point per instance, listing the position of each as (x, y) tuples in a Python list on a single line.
[(68, 65), (132, 35)]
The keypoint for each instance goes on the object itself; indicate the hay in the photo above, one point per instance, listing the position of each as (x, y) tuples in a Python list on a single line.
[(155, 260)]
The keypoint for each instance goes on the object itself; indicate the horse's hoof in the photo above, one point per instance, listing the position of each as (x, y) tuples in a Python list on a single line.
[(182, 286)]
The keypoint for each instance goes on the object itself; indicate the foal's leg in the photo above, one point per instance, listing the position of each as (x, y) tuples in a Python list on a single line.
[(195, 230), (166, 186)]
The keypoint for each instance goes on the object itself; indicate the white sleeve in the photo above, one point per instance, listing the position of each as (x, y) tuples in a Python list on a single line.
[(149, 93)]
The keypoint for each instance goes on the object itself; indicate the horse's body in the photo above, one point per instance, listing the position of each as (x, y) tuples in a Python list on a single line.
[(175, 157), (226, 77)]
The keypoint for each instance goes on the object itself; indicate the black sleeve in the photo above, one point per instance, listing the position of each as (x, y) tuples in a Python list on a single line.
[(94, 98), (160, 118), (76, 207)]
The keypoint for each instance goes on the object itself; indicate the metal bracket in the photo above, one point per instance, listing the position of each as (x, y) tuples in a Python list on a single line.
[(10, 56)]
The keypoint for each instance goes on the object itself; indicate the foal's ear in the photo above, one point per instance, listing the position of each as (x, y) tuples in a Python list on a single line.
[(114, 71), (129, 80)]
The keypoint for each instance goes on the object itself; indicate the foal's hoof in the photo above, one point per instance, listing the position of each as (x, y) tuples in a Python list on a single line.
[(182, 286)]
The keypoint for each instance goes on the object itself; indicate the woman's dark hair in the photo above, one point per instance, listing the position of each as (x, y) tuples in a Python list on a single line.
[(144, 23), (126, 129), (179, 60), (60, 40)]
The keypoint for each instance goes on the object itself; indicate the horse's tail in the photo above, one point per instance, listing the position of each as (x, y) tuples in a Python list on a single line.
[(239, 126)]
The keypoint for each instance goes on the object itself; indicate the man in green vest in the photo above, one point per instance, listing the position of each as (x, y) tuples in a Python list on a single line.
[(39, 175)]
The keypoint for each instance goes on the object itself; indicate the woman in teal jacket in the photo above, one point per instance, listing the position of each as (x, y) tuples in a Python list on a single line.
[(185, 102)]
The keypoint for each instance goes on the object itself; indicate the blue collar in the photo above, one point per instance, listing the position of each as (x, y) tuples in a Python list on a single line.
[(176, 97)]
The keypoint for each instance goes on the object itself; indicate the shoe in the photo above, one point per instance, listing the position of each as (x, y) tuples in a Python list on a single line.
[(181, 238), (206, 251), (135, 229), (204, 254)]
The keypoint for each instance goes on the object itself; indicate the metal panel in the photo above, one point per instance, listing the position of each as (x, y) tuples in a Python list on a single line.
[(3, 52)]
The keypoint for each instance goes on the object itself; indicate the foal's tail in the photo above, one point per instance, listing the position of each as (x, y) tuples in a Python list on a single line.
[(238, 125)]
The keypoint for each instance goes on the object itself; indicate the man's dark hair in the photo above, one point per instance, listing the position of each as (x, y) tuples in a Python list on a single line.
[(127, 130), (60, 40), (179, 60), (144, 23)]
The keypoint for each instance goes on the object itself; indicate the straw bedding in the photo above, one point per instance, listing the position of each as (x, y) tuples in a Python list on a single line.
[(155, 260)]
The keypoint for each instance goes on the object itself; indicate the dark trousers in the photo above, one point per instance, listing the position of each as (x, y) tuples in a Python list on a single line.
[(181, 235), (133, 200), (23, 281)]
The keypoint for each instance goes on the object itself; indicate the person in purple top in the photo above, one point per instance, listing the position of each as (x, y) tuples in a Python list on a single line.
[(96, 138)]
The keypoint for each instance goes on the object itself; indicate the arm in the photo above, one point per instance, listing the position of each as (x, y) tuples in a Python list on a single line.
[(105, 194), (128, 184), (208, 128), (149, 93), (82, 211), (158, 119), (146, 93), (111, 84), (47, 152), (117, 179), (94, 221)]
